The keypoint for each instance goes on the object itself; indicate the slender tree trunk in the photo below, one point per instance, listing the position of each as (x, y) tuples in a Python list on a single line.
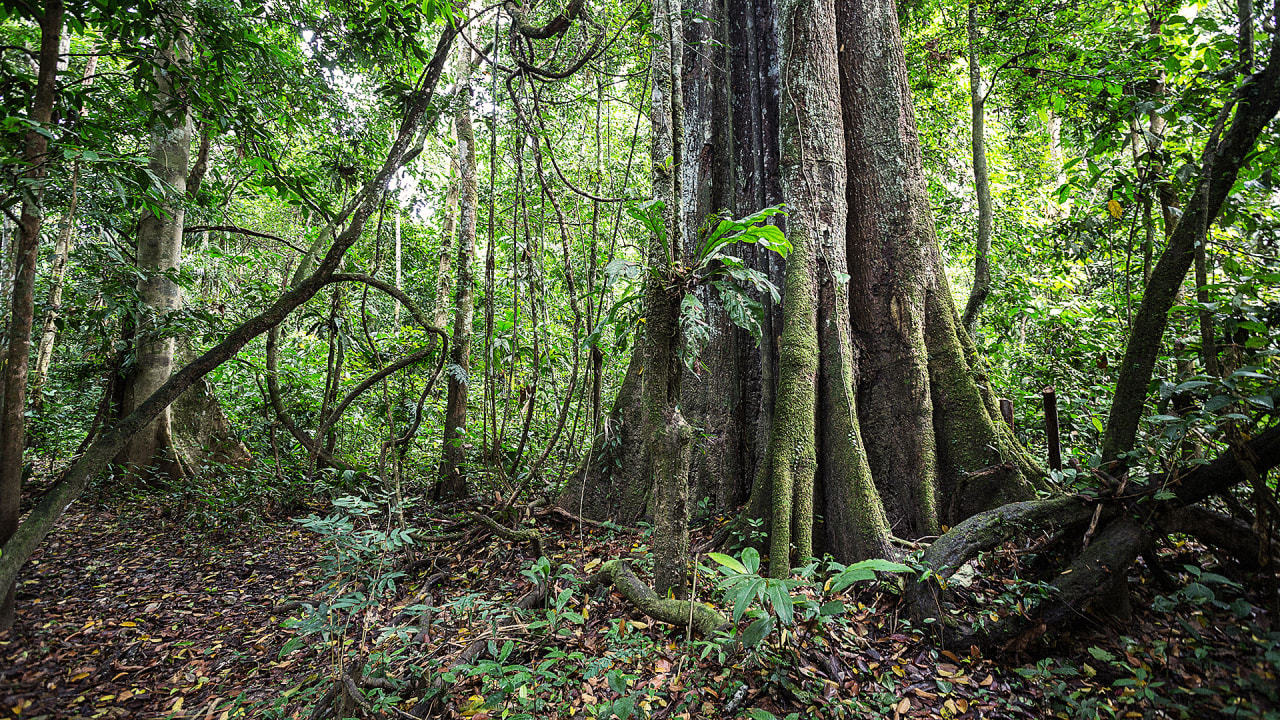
[(453, 482), (57, 274), (159, 254), (13, 406), (1208, 345), (448, 235), (981, 182), (1257, 104), (49, 333)]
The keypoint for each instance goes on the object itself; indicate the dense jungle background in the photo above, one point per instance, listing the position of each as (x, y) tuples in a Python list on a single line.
[(660, 359)]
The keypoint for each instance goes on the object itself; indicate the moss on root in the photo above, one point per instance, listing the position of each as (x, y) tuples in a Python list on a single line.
[(618, 575)]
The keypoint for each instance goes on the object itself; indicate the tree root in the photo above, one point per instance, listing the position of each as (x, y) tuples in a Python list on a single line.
[(557, 510), (618, 575), (1224, 532), (533, 537), (1097, 575)]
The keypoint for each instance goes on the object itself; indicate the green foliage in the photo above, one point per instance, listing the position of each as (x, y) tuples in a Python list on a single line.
[(773, 603)]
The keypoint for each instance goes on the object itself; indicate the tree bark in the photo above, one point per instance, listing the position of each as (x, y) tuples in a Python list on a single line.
[(815, 403), (159, 254), (937, 449), (981, 182), (57, 273), (730, 122), (665, 430), (453, 481), (448, 235), (13, 404)]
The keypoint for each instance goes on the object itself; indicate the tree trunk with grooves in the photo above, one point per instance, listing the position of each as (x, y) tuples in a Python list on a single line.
[(730, 127), (930, 424)]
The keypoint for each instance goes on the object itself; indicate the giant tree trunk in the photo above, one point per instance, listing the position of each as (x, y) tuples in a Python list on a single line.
[(937, 450), (13, 403), (730, 122), (666, 433), (453, 482), (150, 452), (815, 406)]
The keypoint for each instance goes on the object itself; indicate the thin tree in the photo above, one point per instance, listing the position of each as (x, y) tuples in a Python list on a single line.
[(13, 403), (453, 481)]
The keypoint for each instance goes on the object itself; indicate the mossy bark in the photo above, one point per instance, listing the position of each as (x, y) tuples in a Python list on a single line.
[(671, 507), (665, 430), (937, 452), (729, 127), (815, 406), (618, 575)]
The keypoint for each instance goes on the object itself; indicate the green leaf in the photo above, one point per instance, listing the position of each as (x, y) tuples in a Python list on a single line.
[(751, 559), (757, 631), (1101, 655), (781, 601), (728, 562), (835, 607), (747, 593), (879, 565)]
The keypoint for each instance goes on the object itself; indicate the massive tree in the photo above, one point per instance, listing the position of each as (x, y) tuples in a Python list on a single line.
[(881, 413), (728, 133)]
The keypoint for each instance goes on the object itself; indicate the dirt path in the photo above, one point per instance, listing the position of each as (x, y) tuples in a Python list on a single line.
[(140, 619)]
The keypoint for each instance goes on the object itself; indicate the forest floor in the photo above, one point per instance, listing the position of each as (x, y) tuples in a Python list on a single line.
[(129, 614)]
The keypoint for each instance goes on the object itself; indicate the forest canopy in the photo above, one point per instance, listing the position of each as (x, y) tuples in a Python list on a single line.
[(840, 358)]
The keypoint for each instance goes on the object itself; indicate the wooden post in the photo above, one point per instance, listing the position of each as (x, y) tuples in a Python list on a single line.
[(1051, 428), (1006, 411)]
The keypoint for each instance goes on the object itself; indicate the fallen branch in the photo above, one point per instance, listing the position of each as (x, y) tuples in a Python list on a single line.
[(533, 537), (557, 510), (682, 613)]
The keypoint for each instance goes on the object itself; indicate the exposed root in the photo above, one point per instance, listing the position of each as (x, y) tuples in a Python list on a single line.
[(1097, 574), (683, 613), (533, 537)]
